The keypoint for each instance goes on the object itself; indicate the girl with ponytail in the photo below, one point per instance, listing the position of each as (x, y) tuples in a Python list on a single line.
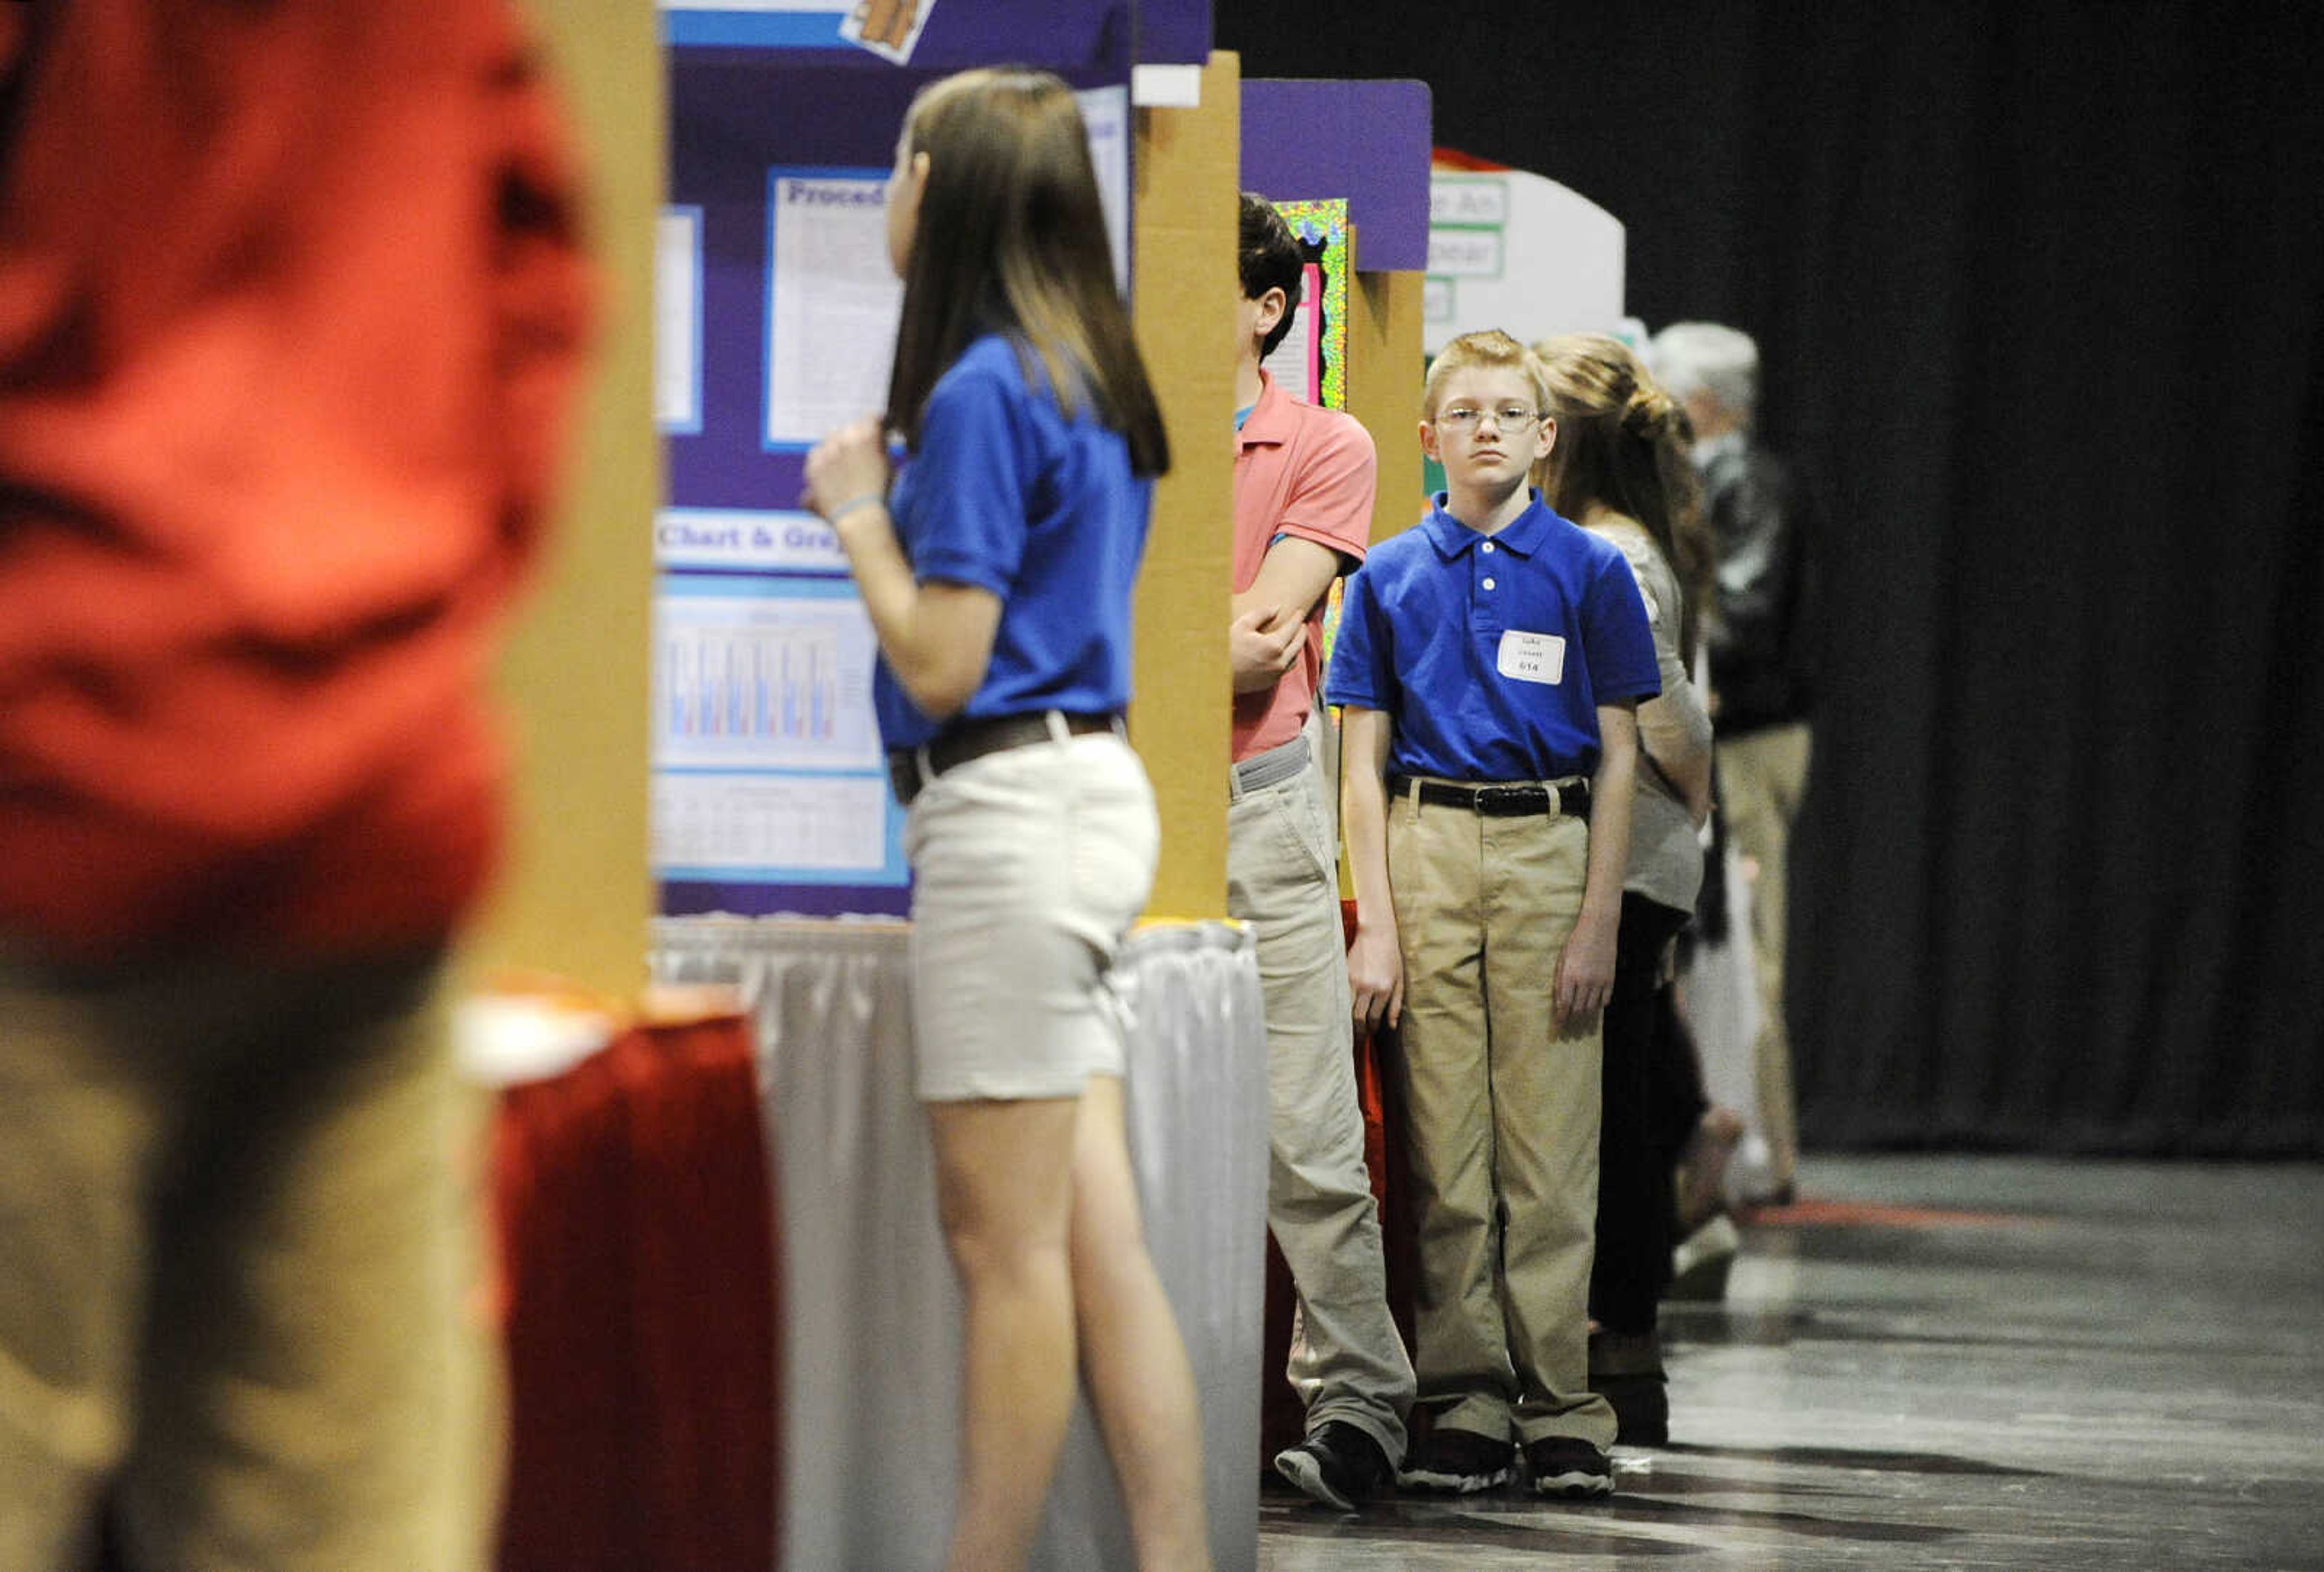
[(1620, 469)]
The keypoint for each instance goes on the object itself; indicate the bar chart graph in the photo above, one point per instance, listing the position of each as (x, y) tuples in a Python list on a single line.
[(771, 683)]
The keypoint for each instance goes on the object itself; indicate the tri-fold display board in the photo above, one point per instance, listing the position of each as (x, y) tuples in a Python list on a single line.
[(775, 312)]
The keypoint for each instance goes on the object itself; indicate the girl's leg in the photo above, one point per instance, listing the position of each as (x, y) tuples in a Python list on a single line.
[(1004, 1191), (1132, 1360)]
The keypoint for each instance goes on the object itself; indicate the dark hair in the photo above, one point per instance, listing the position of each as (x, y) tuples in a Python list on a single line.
[(1270, 258), (1622, 444), (1012, 238)]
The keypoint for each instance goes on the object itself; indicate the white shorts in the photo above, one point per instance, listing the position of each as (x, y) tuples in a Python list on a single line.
[(1028, 866)]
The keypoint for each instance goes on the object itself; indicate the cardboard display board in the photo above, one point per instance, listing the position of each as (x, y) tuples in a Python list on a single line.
[(574, 896), (1181, 719)]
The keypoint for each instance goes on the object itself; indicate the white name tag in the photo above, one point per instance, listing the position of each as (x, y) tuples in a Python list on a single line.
[(1533, 657)]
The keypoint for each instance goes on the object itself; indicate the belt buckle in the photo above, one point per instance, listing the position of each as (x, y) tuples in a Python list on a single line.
[(1490, 798)]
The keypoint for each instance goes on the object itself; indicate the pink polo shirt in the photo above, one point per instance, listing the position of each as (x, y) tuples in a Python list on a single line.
[(1308, 473)]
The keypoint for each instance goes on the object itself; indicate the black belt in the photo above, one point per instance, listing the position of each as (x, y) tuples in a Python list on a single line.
[(962, 741), (1499, 802)]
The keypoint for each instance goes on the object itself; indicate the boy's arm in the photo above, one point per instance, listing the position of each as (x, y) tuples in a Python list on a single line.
[(1585, 967), (1270, 617), (1374, 964)]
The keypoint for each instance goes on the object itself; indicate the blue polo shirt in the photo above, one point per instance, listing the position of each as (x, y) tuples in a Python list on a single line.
[(1006, 493), (1490, 655)]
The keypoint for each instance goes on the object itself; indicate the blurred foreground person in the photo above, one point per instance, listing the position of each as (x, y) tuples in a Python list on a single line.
[(290, 310)]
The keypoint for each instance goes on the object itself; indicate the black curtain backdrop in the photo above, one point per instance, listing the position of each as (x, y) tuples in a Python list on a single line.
[(2040, 291)]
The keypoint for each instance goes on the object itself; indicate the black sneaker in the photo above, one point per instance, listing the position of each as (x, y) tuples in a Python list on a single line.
[(1340, 1465), (1567, 1466), (1457, 1462)]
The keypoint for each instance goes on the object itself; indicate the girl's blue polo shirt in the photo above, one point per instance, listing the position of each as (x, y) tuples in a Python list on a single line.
[(1006, 493), (1490, 655)]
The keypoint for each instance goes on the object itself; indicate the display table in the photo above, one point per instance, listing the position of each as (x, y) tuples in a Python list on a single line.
[(869, 1323)]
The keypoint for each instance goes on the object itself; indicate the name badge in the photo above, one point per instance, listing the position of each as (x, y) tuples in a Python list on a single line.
[(1533, 657)]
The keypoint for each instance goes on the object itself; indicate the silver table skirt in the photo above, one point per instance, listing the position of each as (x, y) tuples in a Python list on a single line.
[(870, 1313)]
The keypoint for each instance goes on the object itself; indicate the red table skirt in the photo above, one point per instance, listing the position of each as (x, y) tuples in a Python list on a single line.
[(634, 1200)]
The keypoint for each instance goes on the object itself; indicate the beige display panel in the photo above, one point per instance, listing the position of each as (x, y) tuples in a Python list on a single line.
[(1385, 364), (575, 891), (1188, 162)]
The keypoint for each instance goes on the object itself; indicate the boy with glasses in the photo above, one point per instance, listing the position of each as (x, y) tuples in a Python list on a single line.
[(1303, 486), (1492, 663)]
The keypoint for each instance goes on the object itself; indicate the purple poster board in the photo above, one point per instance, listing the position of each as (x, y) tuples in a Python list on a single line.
[(1174, 33), (1369, 141), (747, 630)]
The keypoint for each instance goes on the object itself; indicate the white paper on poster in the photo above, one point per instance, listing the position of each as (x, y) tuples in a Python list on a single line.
[(1464, 252), (677, 320), (747, 823), (1105, 113), (763, 683), (1453, 200), (832, 301), (890, 29), (726, 539)]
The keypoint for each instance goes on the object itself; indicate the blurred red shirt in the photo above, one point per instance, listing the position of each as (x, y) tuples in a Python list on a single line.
[(292, 306)]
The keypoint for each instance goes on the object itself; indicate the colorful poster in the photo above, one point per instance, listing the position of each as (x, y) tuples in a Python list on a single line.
[(1312, 361)]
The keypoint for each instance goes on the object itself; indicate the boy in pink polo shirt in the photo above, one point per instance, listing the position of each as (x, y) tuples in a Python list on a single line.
[(1304, 483)]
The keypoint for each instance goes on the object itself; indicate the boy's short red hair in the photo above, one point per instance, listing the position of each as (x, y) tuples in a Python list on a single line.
[(1489, 348)]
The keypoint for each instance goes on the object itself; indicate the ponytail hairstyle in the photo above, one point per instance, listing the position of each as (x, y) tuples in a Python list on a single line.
[(1622, 445), (1012, 238)]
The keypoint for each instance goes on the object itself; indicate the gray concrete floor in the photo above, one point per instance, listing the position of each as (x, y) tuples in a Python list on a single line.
[(2028, 1364)]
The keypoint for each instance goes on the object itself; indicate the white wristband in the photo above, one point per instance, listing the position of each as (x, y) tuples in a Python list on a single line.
[(868, 499)]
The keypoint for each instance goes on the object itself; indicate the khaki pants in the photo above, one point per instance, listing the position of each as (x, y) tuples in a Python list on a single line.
[(1348, 1361), (238, 1271), (1504, 1119), (1762, 776)]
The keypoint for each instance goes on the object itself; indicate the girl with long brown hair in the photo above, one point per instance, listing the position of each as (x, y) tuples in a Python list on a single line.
[(997, 572)]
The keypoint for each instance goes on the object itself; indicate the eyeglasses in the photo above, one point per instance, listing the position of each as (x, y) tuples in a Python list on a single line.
[(1464, 417)]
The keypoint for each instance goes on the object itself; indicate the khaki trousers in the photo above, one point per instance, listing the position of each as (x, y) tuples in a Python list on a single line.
[(1503, 1141), (1762, 776), (239, 1271), (1348, 1361)]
